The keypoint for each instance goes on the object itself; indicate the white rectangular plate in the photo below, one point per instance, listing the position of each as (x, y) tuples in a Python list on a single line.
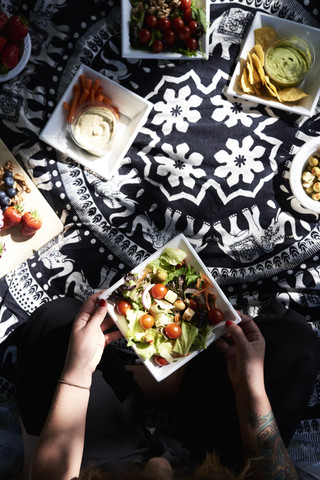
[(311, 85), (129, 52), (18, 247), (160, 373), (133, 110)]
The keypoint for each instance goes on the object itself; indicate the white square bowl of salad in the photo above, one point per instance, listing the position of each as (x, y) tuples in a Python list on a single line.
[(169, 308), (168, 46)]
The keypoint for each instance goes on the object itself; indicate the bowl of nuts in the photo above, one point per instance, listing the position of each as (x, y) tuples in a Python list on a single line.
[(305, 175)]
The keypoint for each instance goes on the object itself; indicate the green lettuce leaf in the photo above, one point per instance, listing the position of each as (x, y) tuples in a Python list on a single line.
[(188, 335)]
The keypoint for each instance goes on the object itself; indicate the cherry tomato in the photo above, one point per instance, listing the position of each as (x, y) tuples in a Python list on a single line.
[(163, 23), (146, 321), (177, 23), (173, 330), (158, 291), (192, 43), (187, 15), (144, 36), (169, 36), (157, 46), (193, 303), (184, 4), (160, 360), (193, 25), (123, 307), (215, 316), (151, 21), (184, 33)]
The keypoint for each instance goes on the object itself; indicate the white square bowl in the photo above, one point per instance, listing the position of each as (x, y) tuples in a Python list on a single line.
[(133, 109), (311, 85), (180, 241), (129, 52)]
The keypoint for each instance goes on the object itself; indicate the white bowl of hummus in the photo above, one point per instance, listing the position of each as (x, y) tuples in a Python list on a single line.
[(93, 127)]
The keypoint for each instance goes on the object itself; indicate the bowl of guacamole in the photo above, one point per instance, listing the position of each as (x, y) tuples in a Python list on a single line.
[(288, 60)]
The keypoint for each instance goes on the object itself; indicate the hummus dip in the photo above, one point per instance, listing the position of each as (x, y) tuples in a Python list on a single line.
[(93, 129), (288, 61)]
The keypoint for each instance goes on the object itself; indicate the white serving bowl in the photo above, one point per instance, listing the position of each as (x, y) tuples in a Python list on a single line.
[(133, 111), (311, 85), (129, 52), (22, 63), (181, 242), (298, 166)]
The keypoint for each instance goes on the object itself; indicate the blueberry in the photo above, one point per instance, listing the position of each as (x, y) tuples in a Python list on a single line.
[(8, 182), (8, 173), (5, 201), (11, 192), (2, 193)]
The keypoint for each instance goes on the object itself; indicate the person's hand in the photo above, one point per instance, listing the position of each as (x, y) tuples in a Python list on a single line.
[(243, 348), (87, 340)]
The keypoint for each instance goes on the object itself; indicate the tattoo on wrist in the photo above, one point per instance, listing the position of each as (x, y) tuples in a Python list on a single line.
[(276, 460)]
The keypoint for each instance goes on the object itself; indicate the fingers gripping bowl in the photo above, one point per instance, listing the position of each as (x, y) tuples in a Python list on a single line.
[(167, 327)]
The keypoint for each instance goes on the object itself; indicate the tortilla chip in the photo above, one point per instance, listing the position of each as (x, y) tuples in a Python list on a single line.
[(291, 94), (253, 75), (264, 36), (258, 50), (272, 89), (257, 90), (244, 82), (259, 68)]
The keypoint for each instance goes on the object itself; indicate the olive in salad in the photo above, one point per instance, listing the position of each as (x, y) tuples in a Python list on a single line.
[(174, 26), (170, 308)]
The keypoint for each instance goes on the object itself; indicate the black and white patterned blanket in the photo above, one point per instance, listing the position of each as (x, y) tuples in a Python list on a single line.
[(212, 167)]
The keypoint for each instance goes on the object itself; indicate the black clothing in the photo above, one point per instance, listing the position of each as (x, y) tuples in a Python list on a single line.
[(116, 420)]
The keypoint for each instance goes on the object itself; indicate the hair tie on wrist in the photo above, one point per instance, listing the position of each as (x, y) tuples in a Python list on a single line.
[(73, 384)]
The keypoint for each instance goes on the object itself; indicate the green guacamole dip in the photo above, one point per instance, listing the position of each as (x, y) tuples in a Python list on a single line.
[(288, 61)]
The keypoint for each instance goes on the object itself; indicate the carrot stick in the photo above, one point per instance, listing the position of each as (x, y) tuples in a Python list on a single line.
[(99, 98), (88, 83), (95, 85), (99, 91), (83, 81), (66, 106), (107, 100), (74, 102), (116, 111), (84, 96)]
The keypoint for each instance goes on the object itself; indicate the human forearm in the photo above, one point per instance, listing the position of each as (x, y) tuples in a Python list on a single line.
[(59, 452), (261, 437)]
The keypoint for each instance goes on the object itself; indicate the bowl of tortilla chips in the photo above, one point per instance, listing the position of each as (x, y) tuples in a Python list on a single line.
[(271, 44)]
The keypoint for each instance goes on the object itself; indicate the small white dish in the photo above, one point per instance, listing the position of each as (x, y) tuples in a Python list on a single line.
[(22, 62), (180, 241), (311, 84), (133, 111), (299, 162), (129, 52)]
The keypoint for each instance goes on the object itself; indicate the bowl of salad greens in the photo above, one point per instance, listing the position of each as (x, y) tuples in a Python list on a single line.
[(169, 308), (176, 29)]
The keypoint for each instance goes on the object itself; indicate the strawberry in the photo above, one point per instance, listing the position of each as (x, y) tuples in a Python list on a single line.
[(31, 222), (3, 42), (15, 29), (3, 20), (10, 55), (12, 216)]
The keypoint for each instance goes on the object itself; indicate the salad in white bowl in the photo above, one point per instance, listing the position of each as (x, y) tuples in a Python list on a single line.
[(169, 309)]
